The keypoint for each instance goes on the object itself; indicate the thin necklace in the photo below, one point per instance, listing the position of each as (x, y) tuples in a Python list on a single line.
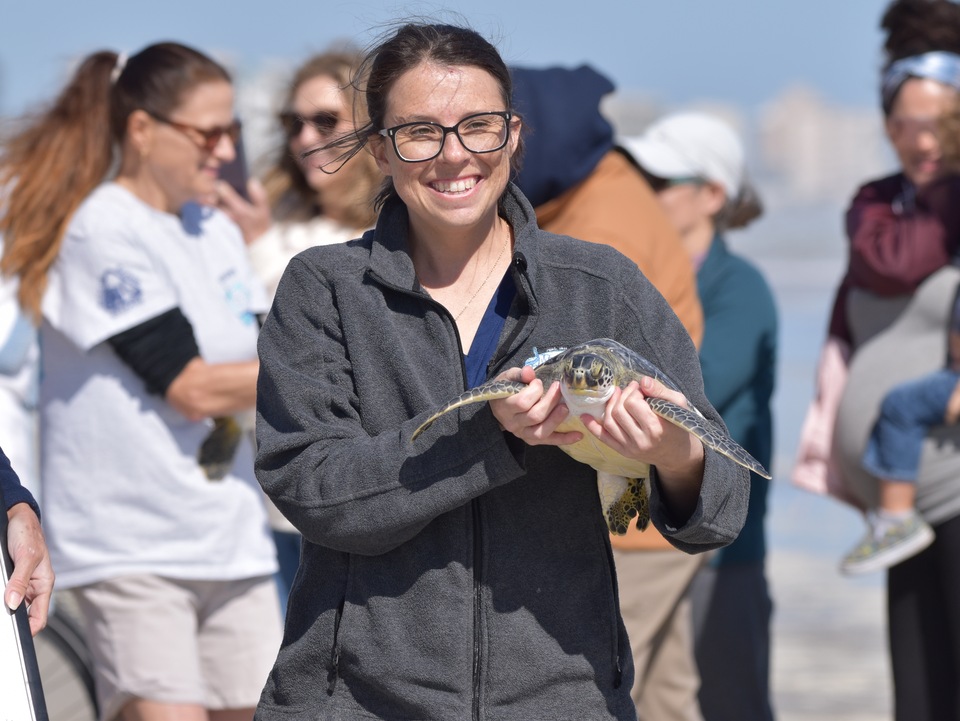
[(506, 242)]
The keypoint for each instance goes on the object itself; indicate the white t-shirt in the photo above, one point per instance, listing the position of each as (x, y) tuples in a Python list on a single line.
[(19, 374), (123, 492), (270, 253)]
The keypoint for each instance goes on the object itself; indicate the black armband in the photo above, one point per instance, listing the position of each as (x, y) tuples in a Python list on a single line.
[(158, 349)]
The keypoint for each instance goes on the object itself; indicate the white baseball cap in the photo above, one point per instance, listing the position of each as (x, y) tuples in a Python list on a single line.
[(690, 145)]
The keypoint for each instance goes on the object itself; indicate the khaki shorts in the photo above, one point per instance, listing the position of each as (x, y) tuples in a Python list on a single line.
[(210, 643)]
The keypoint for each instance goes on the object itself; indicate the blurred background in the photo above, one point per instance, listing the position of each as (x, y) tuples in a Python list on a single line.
[(798, 80)]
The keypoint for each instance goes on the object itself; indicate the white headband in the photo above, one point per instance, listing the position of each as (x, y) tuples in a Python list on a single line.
[(937, 65), (118, 67)]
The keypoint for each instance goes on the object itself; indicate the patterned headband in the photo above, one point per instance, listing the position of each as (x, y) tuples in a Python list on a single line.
[(938, 65)]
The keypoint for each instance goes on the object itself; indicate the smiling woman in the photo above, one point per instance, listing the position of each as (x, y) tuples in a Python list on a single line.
[(147, 313), (467, 572)]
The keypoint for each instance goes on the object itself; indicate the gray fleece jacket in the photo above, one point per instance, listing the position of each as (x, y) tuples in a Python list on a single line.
[(464, 576)]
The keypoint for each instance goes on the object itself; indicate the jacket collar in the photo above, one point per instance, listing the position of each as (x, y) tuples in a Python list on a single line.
[(390, 257)]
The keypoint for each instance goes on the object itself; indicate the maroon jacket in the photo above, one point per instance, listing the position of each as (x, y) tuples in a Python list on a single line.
[(898, 237)]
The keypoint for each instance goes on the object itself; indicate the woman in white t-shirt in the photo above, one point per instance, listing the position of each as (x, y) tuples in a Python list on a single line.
[(148, 323)]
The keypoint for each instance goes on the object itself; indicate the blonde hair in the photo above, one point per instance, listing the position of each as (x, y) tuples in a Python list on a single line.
[(290, 196)]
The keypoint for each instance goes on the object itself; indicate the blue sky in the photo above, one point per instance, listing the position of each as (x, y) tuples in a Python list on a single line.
[(677, 51)]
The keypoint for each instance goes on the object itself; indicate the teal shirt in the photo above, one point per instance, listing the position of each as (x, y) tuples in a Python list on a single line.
[(738, 357)]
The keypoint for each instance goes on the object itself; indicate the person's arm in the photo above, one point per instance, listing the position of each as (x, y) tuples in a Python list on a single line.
[(163, 352), (32, 577), (254, 217), (341, 486), (895, 241), (953, 406), (738, 353)]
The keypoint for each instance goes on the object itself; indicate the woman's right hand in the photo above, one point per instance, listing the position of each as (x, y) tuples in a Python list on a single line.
[(533, 415), (254, 217)]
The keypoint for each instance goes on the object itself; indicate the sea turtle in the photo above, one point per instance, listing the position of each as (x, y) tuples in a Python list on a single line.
[(588, 374)]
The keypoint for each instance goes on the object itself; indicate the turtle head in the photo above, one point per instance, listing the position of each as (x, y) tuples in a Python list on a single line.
[(587, 382)]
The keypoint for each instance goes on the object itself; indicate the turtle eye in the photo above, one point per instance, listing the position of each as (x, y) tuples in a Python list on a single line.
[(596, 369)]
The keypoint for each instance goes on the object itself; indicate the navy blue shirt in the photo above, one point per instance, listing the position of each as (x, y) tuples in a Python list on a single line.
[(485, 341), (11, 492)]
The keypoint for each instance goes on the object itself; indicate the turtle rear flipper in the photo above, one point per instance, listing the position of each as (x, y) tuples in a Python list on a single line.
[(487, 392), (708, 433), (623, 499)]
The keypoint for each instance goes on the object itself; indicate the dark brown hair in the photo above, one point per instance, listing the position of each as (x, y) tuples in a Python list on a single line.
[(416, 43), (56, 159), (404, 49), (915, 27)]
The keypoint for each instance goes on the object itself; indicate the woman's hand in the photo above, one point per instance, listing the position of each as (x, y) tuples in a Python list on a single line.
[(635, 431), (953, 406), (533, 415), (32, 577), (254, 217)]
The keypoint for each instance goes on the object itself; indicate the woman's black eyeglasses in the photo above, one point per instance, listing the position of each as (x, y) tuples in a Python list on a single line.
[(206, 139), (478, 133), (324, 122)]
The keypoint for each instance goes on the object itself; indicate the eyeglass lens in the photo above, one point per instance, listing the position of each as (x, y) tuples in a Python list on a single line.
[(211, 138), (481, 133), (323, 121)]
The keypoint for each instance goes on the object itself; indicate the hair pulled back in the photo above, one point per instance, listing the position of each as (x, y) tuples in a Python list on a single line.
[(416, 43), (57, 158)]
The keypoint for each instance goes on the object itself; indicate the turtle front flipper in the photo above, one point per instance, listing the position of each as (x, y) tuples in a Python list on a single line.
[(623, 499), (710, 434), (487, 392)]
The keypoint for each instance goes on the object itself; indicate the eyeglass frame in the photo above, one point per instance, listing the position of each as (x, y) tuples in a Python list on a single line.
[(211, 136), (392, 134), (288, 117)]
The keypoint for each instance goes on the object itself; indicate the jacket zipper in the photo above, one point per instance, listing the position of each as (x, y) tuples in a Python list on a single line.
[(477, 606), (334, 673), (519, 267), (617, 650)]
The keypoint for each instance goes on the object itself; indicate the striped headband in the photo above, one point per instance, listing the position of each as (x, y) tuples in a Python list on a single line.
[(938, 65)]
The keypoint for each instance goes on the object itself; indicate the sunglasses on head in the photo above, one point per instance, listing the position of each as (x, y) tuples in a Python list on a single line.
[(323, 122)]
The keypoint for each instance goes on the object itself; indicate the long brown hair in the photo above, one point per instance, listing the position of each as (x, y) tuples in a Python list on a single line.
[(56, 159), (290, 196)]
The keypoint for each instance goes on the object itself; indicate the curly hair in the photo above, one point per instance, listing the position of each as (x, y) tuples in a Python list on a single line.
[(915, 27)]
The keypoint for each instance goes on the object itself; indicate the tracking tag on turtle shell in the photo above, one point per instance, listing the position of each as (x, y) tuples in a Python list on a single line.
[(539, 358), (219, 448)]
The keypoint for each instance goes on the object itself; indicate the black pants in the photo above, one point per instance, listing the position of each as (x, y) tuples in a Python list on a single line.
[(923, 606)]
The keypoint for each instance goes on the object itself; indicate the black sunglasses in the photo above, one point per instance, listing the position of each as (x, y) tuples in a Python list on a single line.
[(324, 122)]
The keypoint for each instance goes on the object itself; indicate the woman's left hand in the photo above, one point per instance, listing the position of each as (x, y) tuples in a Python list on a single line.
[(630, 427), (253, 217)]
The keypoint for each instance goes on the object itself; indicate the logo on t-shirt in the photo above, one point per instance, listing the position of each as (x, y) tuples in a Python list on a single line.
[(119, 290), (237, 295)]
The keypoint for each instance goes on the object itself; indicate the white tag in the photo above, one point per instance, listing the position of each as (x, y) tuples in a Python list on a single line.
[(539, 358)]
